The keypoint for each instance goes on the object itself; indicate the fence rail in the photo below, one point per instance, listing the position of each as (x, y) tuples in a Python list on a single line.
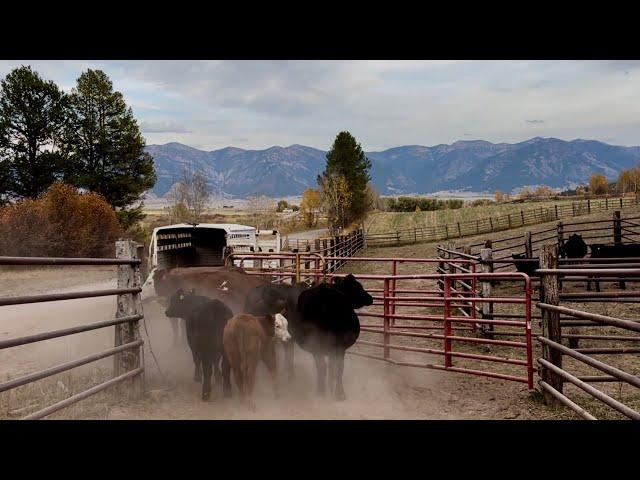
[(554, 373), (127, 351), (498, 223)]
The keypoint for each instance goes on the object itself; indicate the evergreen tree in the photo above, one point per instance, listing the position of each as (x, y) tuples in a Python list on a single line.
[(32, 117), (346, 159), (105, 144)]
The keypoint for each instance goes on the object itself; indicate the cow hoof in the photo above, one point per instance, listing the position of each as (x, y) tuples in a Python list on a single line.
[(340, 396), (205, 396)]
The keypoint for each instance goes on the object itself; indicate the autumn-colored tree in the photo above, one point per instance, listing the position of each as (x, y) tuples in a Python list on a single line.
[(310, 206), (525, 193), (499, 196), (542, 191), (60, 223), (598, 184), (628, 180), (336, 196)]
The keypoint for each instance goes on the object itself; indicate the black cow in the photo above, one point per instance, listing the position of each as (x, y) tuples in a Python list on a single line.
[(321, 319), (205, 321), (574, 248), (278, 298), (627, 250), (329, 326), (526, 267)]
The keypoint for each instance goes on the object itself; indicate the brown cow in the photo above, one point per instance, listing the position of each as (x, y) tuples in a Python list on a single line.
[(229, 284), (248, 339)]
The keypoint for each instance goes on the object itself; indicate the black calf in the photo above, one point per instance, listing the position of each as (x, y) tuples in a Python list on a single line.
[(205, 321)]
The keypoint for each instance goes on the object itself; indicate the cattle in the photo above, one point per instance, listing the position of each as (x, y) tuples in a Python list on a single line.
[(575, 247), (248, 339), (205, 320), (599, 250), (526, 267), (328, 326), (228, 284), (273, 298)]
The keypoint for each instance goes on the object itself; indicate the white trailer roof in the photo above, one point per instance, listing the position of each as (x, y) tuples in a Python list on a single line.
[(227, 227)]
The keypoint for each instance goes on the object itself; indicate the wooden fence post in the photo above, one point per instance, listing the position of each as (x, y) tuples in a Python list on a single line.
[(491, 223), (588, 205), (467, 250), (127, 305), (477, 226), (528, 246), (556, 206), (509, 219), (617, 228), (560, 229), (446, 229), (549, 293), (459, 231), (487, 307), (522, 216)]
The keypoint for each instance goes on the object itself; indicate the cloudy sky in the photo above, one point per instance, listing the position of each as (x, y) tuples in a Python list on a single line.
[(258, 104)]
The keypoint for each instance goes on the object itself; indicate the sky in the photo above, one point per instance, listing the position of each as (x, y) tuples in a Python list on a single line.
[(383, 103)]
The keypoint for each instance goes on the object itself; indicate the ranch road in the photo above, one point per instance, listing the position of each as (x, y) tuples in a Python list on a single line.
[(374, 390)]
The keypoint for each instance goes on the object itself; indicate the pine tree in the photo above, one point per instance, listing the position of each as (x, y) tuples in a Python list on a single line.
[(105, 144), (32, 117), (347, 159)]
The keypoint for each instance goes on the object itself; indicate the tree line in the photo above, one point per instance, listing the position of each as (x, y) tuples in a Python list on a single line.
[(87, 138), (417, 204)]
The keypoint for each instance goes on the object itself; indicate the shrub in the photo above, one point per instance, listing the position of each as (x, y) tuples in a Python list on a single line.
[(413, 204), (59, 223)]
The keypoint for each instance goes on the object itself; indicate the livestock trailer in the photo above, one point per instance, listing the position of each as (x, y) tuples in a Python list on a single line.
[(205, 244)]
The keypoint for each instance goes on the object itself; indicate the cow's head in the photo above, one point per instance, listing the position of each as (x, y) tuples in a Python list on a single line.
[(281, 331), (179, 304), (354, 291)]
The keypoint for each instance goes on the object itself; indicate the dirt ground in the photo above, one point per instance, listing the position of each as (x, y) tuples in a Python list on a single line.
[(375, 390)]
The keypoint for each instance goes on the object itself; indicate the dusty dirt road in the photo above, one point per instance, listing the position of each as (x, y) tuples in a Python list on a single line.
[(375, 390)]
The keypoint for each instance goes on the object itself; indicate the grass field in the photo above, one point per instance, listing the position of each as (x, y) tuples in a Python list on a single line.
[(383, 222)]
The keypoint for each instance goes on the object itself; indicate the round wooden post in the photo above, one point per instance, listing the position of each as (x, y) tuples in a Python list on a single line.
[(487, 307), (617, 228), (550, 320), (128, 304)]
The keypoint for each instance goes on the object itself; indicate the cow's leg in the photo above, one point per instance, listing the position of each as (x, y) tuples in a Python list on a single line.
[(197, 376), (217, 373), (269, 358), (175, 326), (207, 364), (226, 376), (288, 358), (321, 368), (250, 378), (339, 360), (623, 285), (331, 380)]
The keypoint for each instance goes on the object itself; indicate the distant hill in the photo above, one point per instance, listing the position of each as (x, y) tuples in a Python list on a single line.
[(464, 165)]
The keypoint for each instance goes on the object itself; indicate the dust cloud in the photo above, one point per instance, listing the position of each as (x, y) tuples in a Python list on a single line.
[(374, 390)]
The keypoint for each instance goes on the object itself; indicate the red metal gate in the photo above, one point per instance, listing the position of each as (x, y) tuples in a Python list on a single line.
[(421, 309)]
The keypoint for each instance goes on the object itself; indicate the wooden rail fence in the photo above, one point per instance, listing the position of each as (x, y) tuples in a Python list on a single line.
[(519, 219)]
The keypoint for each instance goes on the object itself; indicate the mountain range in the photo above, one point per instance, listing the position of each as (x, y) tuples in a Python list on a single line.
[(474, 165)]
